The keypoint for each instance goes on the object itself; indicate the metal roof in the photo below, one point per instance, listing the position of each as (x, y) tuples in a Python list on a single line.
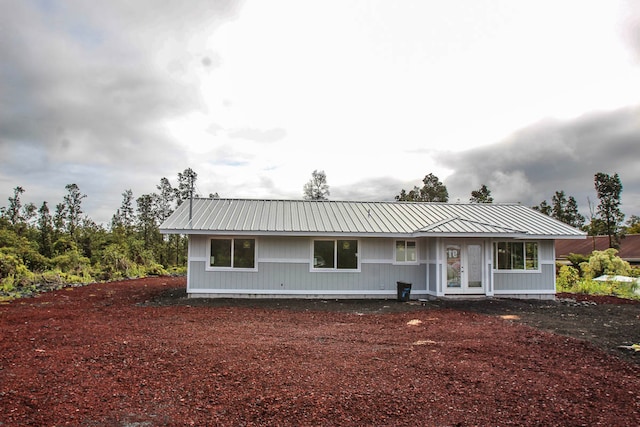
[(312, 218)]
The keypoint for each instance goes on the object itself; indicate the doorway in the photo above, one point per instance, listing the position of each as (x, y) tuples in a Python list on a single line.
[(464, 267)]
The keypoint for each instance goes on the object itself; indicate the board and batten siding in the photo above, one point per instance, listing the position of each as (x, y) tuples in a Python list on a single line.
[(284, 269)]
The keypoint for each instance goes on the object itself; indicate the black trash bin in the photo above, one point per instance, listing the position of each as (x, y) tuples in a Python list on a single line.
[(404, 291)]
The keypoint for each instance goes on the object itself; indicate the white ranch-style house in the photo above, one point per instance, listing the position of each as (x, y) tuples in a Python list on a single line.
[(340, 249)]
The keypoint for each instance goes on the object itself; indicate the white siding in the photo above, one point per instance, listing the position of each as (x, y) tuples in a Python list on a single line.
[(284, 269), (526, 281), (284, 266)]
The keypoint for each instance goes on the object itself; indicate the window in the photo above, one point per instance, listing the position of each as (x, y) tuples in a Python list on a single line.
[(232, 253), (406, 251), (515, 256), (335, 254)]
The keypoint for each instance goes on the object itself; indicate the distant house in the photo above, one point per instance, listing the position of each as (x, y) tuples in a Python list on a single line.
[(341, 249), (629, 247)]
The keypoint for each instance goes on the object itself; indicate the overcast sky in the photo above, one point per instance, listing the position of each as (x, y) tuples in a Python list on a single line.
[(527, 97)]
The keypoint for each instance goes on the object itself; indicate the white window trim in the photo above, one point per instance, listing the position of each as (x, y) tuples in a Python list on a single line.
[(395, 248), (513, 270), (208, 266), (335, 260)]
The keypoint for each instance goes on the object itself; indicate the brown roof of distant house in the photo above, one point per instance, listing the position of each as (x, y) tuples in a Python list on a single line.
[(629, 247)]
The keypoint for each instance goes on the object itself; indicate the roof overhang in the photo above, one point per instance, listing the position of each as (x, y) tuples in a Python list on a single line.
[(416, 234)]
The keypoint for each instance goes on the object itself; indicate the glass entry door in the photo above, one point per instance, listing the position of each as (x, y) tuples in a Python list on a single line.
[(464, 268)]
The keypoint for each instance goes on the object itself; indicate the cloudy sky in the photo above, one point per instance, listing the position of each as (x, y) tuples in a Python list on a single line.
[(527, 97)]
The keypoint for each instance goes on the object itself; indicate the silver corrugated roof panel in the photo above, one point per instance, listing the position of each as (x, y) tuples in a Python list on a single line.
[(304, 217)]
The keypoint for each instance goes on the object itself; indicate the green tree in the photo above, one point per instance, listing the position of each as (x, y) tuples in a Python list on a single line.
[(482, 195), (543, 207), (13, 213), (146, 222), (29, 214), (432, 191), (566, 210), (165, 200), (186, 185), (73, 208), (91, 238), (632, 225), (59, 221), (164, 203), (45, 228), (316, 188), (126, 211), (608, 189), (185, 191)]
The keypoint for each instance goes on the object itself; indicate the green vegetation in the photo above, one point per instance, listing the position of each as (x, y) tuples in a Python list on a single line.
[(40, 251), (433, 190), (581, 279)]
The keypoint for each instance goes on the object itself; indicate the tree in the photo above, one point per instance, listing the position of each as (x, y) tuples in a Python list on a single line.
[(164, 200), (186, 184), (45, 227), (563, 209), (126, 211), (632, 225), (317, 187), (13, 212), (164, 203), (572, 216), (432, 191), (566, 210), (29, 214), (146, 219), (608, 189), (543, 207), (73, 208), (483, 195)]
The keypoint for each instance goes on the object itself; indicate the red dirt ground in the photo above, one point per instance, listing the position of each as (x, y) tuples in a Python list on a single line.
[(137, 353)]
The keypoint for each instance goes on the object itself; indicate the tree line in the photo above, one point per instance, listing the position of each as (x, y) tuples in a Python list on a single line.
[(39, 247), (605, 219)]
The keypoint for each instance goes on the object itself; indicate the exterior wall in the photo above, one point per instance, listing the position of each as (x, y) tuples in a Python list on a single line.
[(529, 284), (433, 264), (284, 270)]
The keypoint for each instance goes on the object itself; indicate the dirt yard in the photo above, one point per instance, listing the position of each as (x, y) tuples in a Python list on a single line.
[(139, 353)]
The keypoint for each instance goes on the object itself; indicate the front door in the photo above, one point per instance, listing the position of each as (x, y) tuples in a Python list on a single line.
[(464, 267)]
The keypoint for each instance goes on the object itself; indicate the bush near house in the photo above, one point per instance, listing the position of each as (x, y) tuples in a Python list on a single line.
[(580, 279)]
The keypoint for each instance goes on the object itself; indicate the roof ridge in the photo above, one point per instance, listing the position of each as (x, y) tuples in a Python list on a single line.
[(393, 202)]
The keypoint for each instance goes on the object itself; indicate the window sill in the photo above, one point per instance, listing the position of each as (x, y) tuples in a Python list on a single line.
[(230, 269)]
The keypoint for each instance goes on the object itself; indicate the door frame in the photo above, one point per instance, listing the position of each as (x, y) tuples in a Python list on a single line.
[(464, 288)]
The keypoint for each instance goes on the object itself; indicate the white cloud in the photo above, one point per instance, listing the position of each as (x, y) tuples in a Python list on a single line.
[(256, 95)]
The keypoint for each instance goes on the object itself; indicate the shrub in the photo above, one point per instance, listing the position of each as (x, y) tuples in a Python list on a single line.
[(568, 277), (71, 262), (8, 265), (577, 259), (607, 262), (114, 262)]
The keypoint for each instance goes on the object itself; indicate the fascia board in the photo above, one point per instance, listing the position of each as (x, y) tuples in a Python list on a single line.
[(285, 233)]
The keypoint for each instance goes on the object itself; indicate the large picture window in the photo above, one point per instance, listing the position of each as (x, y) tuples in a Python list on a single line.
[(335, 254), (232, 253), (515, 256), (406, 251)]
